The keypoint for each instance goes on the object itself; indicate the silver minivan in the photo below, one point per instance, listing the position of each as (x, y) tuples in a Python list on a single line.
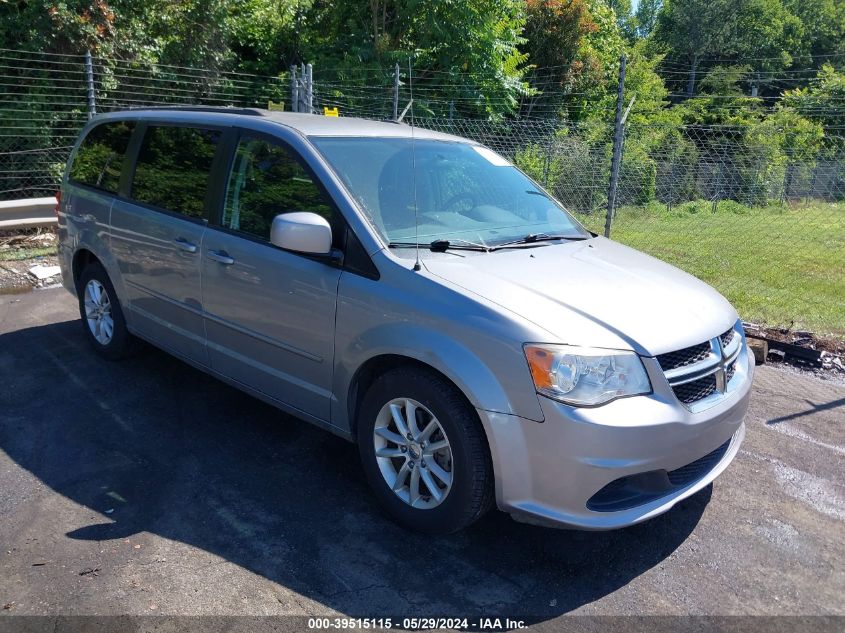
[(413, 292)]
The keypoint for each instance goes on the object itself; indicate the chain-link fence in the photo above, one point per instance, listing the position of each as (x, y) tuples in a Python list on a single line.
[(46, 99), (735, 205), (763, 225)]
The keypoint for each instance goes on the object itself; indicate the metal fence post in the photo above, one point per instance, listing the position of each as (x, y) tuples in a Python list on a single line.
[(396, 92), (294, 90), (89, 80), (302, 89), (309, 88), (617, 149)]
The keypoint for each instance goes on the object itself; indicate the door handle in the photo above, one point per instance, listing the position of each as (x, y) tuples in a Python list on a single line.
[(222, 257), (185, 245)]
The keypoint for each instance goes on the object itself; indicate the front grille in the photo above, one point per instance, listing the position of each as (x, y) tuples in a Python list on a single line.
[(685, 475), (634, 490), (697, 372), (683, 357), (696, 390)]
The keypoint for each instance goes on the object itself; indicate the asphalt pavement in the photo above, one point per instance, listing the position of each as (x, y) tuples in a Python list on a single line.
[(146, 487)]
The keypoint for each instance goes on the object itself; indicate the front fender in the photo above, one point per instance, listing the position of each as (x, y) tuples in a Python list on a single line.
[(473, 351)]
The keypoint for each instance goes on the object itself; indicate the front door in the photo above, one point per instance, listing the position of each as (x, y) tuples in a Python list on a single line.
[(270, 313), (157, 236)]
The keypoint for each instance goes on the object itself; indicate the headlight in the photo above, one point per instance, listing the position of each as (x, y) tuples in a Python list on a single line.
[(582, 376)]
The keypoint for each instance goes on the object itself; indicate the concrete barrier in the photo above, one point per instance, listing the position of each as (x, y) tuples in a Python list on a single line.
[(22, 214)]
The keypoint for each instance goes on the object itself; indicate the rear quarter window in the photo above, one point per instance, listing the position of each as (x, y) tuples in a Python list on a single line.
[(99, 159)]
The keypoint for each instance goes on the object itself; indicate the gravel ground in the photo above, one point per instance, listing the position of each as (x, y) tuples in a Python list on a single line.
[(33, 247), (146, 487), (15, 277)]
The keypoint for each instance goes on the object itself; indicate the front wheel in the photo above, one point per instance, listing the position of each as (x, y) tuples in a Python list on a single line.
[(424, 452)]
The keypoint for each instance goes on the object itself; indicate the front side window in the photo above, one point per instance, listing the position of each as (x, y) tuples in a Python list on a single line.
[(173, 168), (99, 159), (267, 180), (443, 190)]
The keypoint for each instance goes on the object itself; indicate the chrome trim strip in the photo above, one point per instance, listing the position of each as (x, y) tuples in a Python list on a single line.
[(692, 377)]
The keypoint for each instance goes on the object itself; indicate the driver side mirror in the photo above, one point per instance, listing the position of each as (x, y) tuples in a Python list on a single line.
[(302, 232)]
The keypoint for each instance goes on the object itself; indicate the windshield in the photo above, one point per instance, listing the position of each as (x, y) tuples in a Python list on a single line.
[(463, 191)]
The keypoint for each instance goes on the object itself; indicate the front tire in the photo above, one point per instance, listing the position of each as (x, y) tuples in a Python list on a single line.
[(102, 316), (424, 452)]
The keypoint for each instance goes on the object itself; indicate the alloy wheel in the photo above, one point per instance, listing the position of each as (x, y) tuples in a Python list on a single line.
[(413, 453), (98, 312)]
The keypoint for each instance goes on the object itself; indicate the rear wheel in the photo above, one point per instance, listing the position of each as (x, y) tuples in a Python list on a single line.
[(102, 316), (424, 451)]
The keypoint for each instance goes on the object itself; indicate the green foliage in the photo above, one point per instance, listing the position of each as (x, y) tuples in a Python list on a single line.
[(625, 17), (599, 53), (637, 176), (764, 32), (823, 23), (646, 16), (821, 101), (553, 34), (526, 57), (788, 133), (264, 34), (474, 40)]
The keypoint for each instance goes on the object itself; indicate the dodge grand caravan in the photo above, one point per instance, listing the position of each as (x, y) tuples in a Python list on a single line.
[(413, 292)]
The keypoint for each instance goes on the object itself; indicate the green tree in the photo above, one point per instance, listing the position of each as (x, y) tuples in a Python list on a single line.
[(106, 28), (265, 34), (466, 52), (554, 32), (823, 23), (625, 17), (599, 53), (689, 31), (646, 16), (822, 100)]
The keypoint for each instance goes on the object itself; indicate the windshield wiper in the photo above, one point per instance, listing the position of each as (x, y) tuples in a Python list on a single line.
[(441, 246), (533, 238)]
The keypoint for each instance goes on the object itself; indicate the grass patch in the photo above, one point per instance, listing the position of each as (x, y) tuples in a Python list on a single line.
[(778, 265), (19, 254)]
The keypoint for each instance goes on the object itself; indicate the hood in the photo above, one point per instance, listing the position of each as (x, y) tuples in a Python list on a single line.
[(594, 293)]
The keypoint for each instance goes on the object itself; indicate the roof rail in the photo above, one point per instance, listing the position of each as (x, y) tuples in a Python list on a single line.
[(199, 108)]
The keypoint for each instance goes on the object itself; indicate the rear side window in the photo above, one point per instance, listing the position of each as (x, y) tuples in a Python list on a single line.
[(173, 168), (99, 159)]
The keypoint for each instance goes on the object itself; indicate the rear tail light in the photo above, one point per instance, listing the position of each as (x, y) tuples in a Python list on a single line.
[(58, 202)]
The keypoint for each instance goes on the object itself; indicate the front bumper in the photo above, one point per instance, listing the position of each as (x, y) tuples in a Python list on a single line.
[(546, 473)]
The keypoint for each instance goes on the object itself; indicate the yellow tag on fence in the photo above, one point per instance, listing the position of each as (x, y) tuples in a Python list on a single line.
[(330, 112), (276, 107)]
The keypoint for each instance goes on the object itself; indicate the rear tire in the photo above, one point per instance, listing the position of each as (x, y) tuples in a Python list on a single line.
[(453, 483), (102, 316)]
